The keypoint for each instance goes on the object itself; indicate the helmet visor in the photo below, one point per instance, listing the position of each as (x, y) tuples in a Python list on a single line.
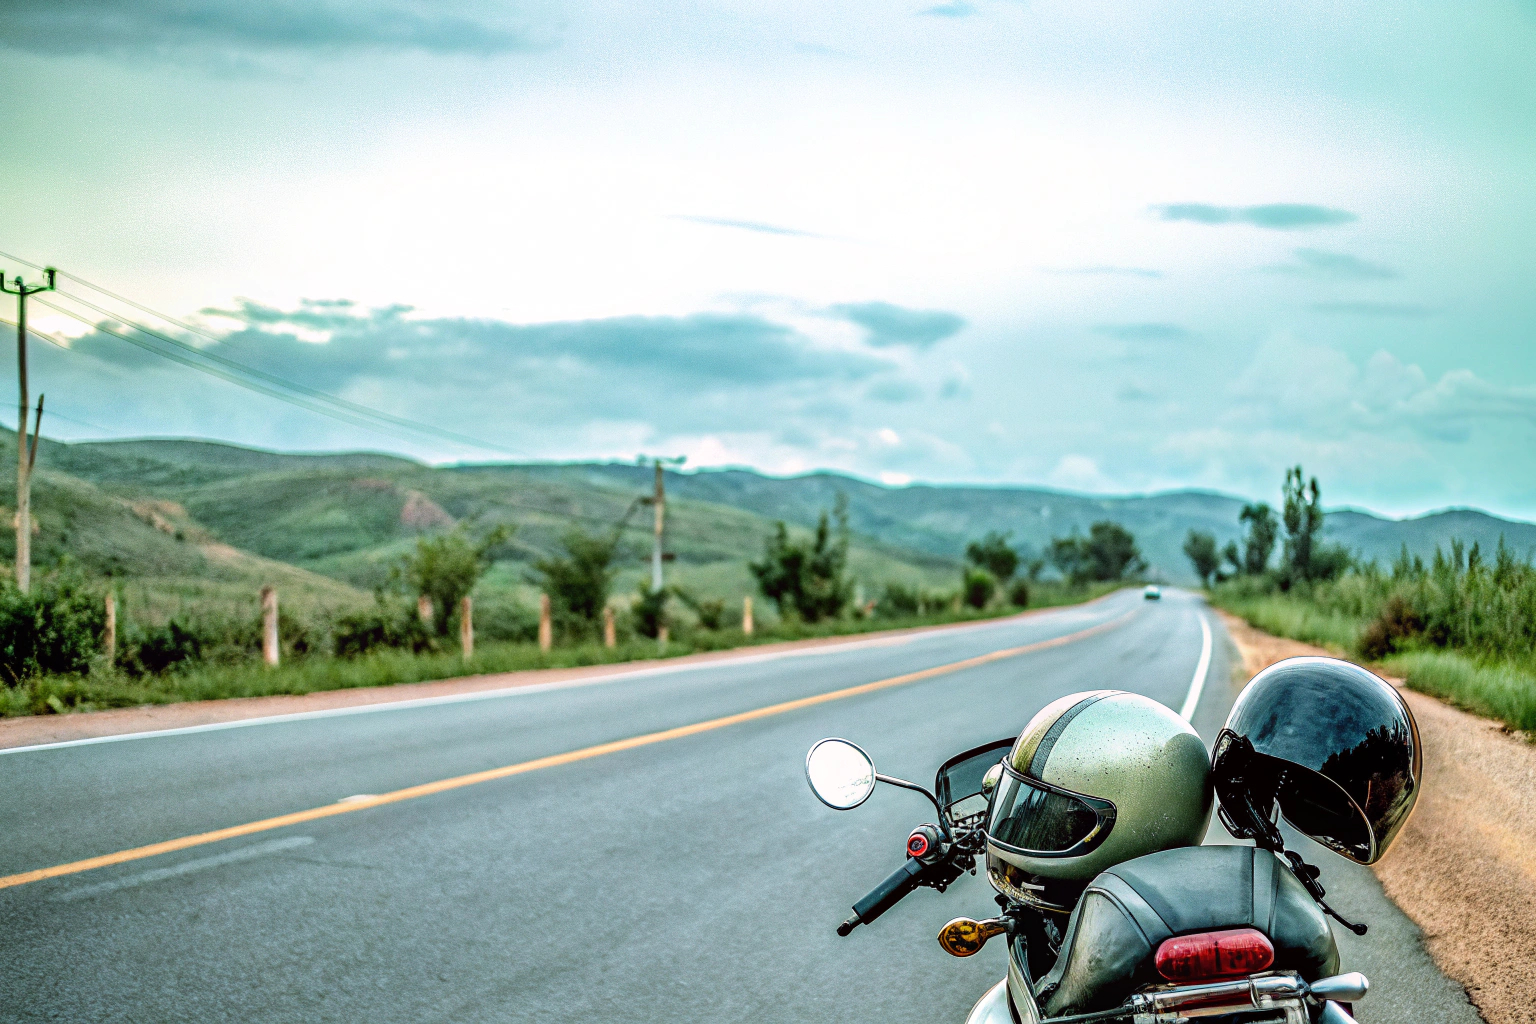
[(1040, 820)]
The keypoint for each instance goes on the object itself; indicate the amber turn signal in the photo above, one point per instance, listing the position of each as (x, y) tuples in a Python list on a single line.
[(964, 937)]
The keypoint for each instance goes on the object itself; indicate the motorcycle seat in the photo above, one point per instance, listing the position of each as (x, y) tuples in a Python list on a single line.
[(1126, 912)]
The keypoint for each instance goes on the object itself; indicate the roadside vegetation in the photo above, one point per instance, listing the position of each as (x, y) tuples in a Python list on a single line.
[(1461, 627), (52, 642)]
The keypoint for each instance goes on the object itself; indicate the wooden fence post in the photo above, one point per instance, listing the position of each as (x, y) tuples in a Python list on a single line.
[(424, 609), (269, 648), (546, 630), (467, 627), (746, 615), (610, 635), (109, 637)]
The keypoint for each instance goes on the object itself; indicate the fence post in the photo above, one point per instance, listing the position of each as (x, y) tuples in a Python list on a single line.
[(269, 625), (610, 635), (109, 637), (546, 630), (467, 627), (746, 615), (424, 609)]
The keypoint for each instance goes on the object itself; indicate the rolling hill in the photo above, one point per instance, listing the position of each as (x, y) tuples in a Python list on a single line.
[(196, 518)]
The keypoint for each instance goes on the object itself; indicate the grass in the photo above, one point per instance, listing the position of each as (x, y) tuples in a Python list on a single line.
[(105, 688), (1298, 619), (1501, 690)]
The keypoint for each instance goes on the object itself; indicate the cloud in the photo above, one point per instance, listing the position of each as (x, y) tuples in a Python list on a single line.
[(894, 390), (228, 26), (1338, 265), (1277, 216), (889, 325), (1131, 393), (1107, 271), (1142, 332), (1409, 310), (953, 9), (1391, 309), (747, 225)]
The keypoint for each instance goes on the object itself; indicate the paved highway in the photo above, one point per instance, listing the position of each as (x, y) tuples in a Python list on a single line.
[(689, 876)]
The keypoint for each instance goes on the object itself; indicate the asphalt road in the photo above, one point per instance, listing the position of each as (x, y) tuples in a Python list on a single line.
[(690, 878)]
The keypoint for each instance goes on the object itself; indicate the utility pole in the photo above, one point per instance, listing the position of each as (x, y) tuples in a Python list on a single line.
[(659, 501), (26, 454)]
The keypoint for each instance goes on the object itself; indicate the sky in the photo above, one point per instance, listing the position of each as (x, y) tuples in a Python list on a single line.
[(1105, 247)]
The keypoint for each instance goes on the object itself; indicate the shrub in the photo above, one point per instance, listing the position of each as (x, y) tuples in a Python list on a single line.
[(578, 581), (1386, 634), (808, 579), (56, 629), (506, 621), (650, 610), (993, 554), (1018, 594), (154, 650), (899, 599), (383, 627), (978, 586), (710, 611)]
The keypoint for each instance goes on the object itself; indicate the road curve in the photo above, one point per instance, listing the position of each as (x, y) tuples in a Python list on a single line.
[(691, 877)]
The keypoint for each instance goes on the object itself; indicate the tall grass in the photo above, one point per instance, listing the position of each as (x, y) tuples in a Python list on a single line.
[(1502, 690), (1462, 627), (199, 680)]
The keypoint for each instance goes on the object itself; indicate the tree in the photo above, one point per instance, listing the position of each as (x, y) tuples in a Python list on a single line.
[(1201, 549), (1109, 552), (579, 580), (1262, 533), (445, 568), (807, 579), (1306, 557), (993, 554)]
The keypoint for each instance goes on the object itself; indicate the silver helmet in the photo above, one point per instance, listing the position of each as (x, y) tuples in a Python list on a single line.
[(1096, 778)]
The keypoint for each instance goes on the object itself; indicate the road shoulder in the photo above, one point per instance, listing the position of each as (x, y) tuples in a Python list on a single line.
[(1464, 867)]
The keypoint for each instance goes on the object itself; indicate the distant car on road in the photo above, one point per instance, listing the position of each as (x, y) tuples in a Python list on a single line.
[(1153, 592)]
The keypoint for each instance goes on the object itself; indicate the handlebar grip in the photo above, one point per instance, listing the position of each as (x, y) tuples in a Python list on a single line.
[(885, 895)]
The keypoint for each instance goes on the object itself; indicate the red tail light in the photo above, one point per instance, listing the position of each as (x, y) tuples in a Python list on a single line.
[(1214, 955)]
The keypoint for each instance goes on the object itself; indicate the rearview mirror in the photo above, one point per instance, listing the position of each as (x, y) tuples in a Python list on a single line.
[(841, 775)]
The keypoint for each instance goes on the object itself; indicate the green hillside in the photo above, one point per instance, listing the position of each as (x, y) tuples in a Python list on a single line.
[(185, 516)]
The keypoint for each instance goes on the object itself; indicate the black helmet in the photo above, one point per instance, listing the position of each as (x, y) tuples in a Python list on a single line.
[(1333, 744)]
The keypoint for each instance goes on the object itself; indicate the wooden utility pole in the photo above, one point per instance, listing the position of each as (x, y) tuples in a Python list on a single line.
[(746, 615), (26, 454), (546, 628), (269, 649), (467, 627), (109, 635), (660, 502), (610, 635)]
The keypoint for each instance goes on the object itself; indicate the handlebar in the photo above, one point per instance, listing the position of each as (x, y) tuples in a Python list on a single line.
[(912, 874)]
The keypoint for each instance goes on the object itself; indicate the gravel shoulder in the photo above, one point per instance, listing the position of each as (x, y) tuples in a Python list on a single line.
[(1464, 867)]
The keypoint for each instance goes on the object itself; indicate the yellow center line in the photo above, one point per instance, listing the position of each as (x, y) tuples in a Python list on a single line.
[(552, 761)]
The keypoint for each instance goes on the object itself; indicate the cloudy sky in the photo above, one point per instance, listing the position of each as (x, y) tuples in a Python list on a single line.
[(1099, 246)]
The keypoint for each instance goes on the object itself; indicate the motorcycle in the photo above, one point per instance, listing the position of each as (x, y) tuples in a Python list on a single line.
[(1170, 936)]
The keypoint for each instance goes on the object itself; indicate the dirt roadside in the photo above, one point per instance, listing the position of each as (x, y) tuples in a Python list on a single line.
[(1464, 867)]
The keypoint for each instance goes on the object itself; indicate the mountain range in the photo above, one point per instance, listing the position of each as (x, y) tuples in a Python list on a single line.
[(197, 517)]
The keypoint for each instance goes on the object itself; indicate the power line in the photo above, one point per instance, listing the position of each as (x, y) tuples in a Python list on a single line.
[(237, 367)]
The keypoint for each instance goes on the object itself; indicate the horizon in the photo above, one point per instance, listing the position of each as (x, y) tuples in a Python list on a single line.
[(687, 470)]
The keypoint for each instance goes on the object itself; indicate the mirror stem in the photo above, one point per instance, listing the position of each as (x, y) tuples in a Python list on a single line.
[(914, 787)]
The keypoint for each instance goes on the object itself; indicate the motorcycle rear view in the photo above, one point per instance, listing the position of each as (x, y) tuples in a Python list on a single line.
[(1090, 823)]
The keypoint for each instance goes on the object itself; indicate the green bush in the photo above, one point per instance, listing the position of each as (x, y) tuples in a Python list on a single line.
[(148, 651), (506, 622), (55, 630), (978, 586), (386, 627), (649, 610), (1018, 593)]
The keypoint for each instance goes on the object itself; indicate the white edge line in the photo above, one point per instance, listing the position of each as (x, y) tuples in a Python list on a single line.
[(1197, 684), (515, 691)]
